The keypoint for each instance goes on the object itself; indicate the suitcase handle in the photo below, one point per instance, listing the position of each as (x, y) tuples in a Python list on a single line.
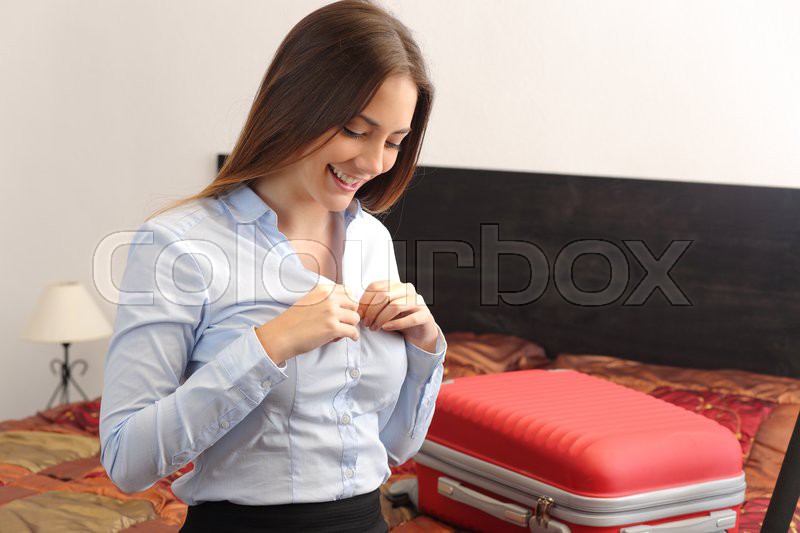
[(508, 512), (717, 521)]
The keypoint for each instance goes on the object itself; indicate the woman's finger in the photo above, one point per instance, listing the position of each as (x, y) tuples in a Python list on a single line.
[(370, 293), (378, 296), (346, 330), (348, 316), (365, 303), (397, 308), (346, 298), (411, 320), (372, 303)]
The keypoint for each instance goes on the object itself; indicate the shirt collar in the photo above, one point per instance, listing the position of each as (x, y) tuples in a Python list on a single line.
[(246, 206), (354, 209)]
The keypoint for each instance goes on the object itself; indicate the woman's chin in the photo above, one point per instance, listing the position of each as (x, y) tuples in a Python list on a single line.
[(336, 202)]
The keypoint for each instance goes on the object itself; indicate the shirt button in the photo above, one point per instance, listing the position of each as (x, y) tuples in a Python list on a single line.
[(354, 373), (349, 472), (266, 384), (345, 419), (224, 424)]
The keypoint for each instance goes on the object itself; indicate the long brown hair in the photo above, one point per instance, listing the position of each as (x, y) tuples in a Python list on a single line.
[(323, 74)]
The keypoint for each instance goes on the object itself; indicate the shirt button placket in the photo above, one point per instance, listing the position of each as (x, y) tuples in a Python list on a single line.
[(346, 422)]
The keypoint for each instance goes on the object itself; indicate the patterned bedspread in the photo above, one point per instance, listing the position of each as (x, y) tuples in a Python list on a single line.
[(51, 478)]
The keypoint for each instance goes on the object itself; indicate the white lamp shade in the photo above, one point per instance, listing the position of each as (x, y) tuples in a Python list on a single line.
[(66, 312)]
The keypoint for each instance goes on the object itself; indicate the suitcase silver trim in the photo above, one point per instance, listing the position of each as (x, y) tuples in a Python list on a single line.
[(584, 510), (713, 523)]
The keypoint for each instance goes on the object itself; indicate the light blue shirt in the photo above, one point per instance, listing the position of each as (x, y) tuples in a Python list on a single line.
[(186, 378)]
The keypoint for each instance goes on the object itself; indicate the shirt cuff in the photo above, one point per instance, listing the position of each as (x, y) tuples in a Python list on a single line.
[(250, 368), (422, 363)]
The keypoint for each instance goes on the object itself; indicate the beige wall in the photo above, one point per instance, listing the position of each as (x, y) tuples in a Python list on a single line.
[(109, 107)]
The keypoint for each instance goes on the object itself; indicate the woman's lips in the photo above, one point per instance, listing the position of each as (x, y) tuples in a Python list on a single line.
[(342, 185)]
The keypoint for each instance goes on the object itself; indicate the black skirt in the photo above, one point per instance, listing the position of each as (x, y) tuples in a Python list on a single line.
[(359, 514)]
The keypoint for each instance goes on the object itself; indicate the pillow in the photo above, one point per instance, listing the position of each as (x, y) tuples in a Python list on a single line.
[(769, 447), (470, 353)]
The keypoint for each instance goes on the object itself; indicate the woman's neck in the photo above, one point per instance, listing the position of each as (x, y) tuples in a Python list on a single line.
[(298, 217)]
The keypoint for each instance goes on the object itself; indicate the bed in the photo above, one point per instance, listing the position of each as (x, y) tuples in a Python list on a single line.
[(727, 350), (51, 478)]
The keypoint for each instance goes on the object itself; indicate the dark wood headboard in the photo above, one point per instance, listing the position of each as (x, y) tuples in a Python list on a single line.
[(725, 295)]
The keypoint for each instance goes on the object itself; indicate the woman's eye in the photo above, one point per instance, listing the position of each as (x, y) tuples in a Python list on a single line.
[(351, 133), (354, 135)]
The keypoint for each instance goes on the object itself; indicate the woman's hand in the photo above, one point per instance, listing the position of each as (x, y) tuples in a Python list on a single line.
[(327, 313), (396, 306)]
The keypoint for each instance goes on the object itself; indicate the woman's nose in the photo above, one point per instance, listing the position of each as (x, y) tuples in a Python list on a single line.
[(370, 161)]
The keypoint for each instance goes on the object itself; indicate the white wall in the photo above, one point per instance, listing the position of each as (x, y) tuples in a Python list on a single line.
[(109, 108)]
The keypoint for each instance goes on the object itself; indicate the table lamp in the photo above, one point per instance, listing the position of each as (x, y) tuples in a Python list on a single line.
[(66, 313)]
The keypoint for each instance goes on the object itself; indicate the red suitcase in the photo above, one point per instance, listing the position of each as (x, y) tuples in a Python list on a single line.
[(558, 450)]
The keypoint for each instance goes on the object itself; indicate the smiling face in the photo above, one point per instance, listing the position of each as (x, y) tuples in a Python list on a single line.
[(366, 147)]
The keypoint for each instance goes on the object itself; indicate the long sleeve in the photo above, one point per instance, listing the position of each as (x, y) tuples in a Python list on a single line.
[(152, 422), (403, 429)]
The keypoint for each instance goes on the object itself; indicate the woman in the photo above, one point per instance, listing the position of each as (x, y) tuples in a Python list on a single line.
[(263, 332)]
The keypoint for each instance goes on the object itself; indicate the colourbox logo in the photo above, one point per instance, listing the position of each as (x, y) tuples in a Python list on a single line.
[(489, 250)]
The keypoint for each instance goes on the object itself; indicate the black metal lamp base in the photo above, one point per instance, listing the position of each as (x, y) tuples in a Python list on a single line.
[(65, 369)]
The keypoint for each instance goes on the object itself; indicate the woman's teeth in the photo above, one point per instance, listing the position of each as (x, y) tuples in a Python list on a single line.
[(344, 177)]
